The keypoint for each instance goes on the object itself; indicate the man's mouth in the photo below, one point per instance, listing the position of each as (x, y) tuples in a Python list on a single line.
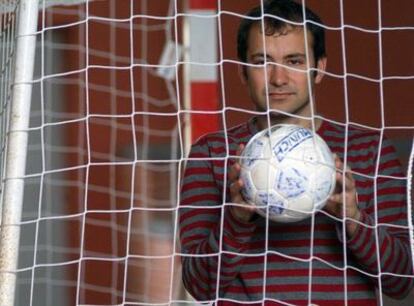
[(279, 95)]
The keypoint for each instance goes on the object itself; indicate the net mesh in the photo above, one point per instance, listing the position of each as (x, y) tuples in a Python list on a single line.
[(107, 134), (7, 51)]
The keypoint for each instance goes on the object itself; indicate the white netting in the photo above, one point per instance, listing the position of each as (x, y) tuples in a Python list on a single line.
[(7, 54), (107, 132), (10, 5)]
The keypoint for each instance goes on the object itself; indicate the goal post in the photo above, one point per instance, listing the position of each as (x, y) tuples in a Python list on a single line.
[(16, 146)]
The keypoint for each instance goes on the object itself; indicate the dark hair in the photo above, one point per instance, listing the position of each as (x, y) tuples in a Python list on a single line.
[(281, 13)]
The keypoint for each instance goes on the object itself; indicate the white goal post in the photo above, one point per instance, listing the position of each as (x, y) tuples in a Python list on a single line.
[(16, 148), (100, 101)]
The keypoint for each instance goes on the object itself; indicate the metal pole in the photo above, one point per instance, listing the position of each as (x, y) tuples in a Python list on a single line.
[(16, 148)]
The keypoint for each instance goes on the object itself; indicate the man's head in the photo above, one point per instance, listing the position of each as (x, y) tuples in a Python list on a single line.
[(279, 15), (279, 56)]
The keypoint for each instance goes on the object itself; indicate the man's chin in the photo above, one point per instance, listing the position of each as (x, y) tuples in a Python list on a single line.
[(275, 117), (279, 114)]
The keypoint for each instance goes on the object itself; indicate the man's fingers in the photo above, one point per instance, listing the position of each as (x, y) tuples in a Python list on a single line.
[(240, 149), (338, 163), (235, 191), (236, 186), (349, 181), (234, 172), (336, 198), (345, 182)]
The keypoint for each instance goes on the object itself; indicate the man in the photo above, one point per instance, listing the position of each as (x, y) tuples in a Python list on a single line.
[(358, 243)]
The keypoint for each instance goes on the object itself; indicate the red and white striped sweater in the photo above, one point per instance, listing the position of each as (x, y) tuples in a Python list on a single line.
[(230, 262)]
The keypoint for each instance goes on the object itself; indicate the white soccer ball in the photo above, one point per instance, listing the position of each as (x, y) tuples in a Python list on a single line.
[(288, 172)]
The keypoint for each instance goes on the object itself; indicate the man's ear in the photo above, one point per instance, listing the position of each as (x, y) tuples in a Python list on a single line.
[(242, 72), (321, 66)]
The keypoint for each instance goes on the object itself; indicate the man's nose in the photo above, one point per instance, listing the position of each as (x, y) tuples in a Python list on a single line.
[(277, 74)]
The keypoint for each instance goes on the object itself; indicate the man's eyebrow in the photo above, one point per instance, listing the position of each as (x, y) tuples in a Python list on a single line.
[(257, 54), (260, 55), (263, 54), (296, 55)]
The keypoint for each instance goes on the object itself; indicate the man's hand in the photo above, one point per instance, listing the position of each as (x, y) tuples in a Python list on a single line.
[(242, 213), (345, 190)]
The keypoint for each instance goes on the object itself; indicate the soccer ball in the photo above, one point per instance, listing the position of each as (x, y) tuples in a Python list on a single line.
[(288, 172)]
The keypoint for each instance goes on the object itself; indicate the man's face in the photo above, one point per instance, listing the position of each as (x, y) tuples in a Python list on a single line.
[(285, 73)]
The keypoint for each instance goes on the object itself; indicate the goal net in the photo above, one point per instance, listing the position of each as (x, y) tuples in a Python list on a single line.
[(104, 121)]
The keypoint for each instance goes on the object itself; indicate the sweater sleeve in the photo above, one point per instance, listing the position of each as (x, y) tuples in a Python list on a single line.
[(210, 244), (381, 244)]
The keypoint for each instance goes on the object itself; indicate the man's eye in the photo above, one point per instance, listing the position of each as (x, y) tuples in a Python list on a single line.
[(258, 62), (295, 62)]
